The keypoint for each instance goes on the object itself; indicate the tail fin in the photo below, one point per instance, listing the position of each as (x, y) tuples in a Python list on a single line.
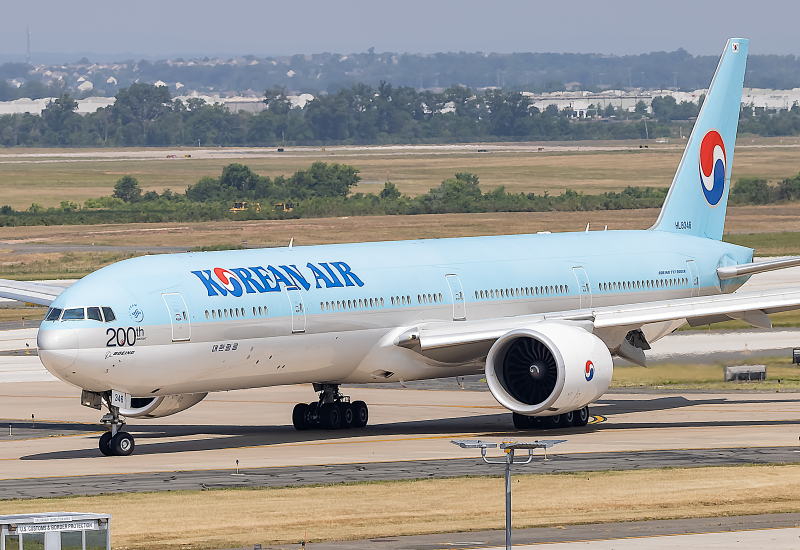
[(698, 197)]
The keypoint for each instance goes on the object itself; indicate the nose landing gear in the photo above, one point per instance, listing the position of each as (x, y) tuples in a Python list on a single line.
[(115, 442), (333, 411)]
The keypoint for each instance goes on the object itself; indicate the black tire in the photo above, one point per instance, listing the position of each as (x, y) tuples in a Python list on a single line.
[(299, 417), (581, 417), (522, 422), (312, 416), (569, 419), (553, 422), (360, 414), (105, 444), (122, 444), (348, 416), (331, 416)]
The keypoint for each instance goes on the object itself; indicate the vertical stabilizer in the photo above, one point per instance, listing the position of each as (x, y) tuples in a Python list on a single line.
[(698, 197)]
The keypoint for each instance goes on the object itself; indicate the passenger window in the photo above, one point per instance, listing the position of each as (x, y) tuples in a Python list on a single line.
[(93, 313), (73, 314), (108, 314), (53, 314)]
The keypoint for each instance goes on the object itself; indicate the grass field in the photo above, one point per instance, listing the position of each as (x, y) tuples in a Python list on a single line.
[(239, 518), (47, 178), (707, 377), (741, 221)]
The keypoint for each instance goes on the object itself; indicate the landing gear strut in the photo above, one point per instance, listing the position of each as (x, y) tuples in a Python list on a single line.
[(333, 411), (571, 419), (115, 442)]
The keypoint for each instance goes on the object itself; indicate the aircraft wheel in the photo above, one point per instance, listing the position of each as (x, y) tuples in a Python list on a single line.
[(360, 414), (331, 416), (581, 417), (105, 444), (553, 422), (348, 417), (569, 419), (523, 422), (299, 417), (122, 444)]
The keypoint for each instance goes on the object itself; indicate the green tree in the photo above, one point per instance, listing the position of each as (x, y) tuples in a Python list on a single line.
[(323, 180), (239, 177), (789, 189), (141, 106), (127, 189), (390, 191), (752, 191)]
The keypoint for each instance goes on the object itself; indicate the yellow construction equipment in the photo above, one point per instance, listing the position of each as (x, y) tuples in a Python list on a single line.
[(242, 206)]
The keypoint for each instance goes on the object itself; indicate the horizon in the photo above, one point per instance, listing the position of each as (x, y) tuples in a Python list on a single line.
[(619, 27)]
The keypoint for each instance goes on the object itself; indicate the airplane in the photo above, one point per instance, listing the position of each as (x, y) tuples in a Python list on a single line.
[(541, 315)]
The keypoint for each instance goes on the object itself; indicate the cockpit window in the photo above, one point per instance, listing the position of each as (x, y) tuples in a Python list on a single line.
[(108, 313), (73, 314), (93, 313), (53, 314)]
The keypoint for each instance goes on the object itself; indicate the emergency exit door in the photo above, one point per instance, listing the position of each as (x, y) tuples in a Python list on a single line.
[(178, 316)]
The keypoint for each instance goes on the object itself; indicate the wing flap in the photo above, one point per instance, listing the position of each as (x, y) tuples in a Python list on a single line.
[(33, 293)]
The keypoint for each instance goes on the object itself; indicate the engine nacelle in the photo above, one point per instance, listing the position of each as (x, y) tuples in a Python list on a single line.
[(158, 407), (548, 368)]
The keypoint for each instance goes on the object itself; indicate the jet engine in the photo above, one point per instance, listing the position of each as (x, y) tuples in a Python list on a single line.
[(548, 368), (165, 405)]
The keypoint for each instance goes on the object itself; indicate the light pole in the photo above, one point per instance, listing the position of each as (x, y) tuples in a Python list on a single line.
[(509, 447)]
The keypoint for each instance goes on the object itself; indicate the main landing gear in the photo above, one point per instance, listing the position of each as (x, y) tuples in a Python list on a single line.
[(332, 412), (571, 419), (115, 442)]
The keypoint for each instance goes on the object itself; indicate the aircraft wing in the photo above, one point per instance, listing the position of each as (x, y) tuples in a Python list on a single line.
[(33, 293), (750, 307)]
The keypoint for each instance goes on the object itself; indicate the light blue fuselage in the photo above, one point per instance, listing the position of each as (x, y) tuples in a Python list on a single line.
[(334, 308)]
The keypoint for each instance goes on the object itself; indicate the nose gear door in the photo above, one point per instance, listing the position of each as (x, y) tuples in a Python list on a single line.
[(298, 309), (457, 292), (178, 316)]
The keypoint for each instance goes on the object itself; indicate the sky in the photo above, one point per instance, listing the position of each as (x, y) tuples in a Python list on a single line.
[(166, 28)]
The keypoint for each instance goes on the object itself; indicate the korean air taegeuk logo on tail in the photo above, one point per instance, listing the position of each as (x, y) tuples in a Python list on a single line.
[(713, 164)]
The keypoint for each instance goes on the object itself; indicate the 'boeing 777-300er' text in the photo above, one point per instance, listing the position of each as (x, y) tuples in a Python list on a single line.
[(542, 314)]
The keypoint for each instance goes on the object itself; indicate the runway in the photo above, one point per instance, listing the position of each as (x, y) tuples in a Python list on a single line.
[(384, 471), (767, 532), (406, 425), (408, 436)]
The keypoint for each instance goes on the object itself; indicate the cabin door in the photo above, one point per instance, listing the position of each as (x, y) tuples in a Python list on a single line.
[(178, 317), (457, 293), (694, 278), (298, 309), (584, 288)]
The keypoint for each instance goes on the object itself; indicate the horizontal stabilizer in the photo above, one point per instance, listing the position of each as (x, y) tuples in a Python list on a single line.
[(733, 271)]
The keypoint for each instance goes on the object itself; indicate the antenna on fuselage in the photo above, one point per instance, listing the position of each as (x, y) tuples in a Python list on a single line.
[(587, 229), (290, 243)]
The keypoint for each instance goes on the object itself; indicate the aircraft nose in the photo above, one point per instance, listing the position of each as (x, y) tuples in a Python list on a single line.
[(58, 348)]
